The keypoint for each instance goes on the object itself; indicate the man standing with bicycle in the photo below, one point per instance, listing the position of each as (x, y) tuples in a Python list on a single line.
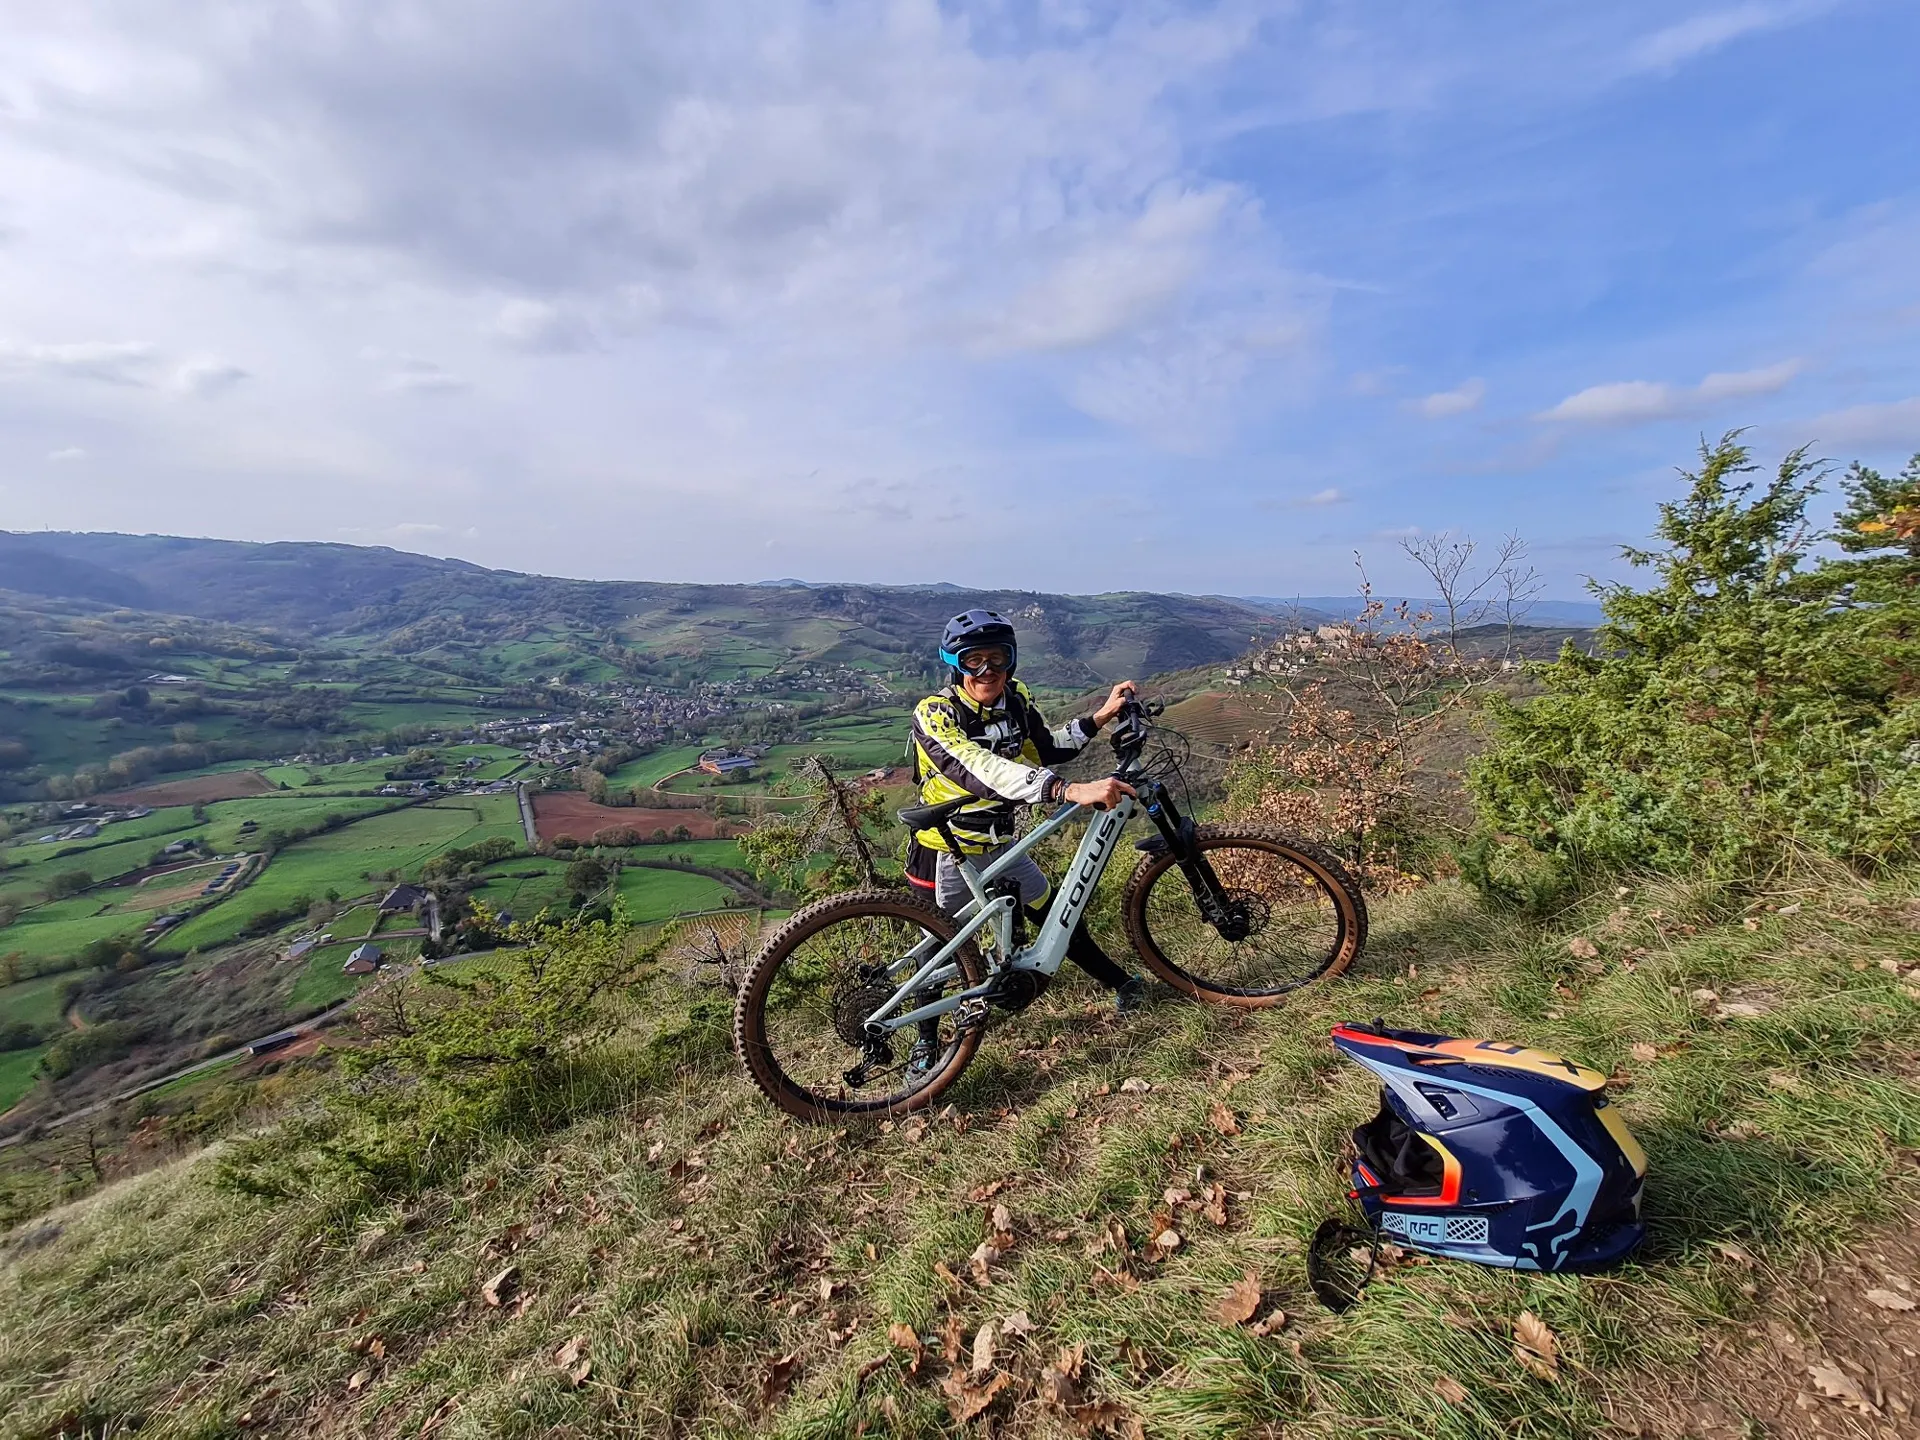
[(983, 736)]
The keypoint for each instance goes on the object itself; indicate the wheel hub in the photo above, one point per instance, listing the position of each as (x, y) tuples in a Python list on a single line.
[(1247, 915)]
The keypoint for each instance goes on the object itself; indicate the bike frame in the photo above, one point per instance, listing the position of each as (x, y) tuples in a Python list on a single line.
[(932, 960), (1045, 954)]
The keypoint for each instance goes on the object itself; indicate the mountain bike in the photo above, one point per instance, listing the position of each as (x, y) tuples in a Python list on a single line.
[(833, 1010)]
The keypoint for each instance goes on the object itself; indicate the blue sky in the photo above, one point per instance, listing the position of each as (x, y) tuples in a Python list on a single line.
[(1057, 295)]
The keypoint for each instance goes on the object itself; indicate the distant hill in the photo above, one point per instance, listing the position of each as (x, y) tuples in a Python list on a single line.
[(417, 605)]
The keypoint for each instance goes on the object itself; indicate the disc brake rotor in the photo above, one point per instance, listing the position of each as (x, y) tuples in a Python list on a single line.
[(1247, 915)]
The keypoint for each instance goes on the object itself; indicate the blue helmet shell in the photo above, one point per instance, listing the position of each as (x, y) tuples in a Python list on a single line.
[(1493, 1153), (971, 629)]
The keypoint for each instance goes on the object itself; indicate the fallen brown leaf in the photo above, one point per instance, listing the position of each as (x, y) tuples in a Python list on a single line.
[(1450, 1390), (966, 1401), (1836, 1384), (1582, 948), (568, 1355), (1215, 1206), (1644, 1053), (1535, 1346), (360, 1378), (983, 1345), (1105, 1417), (777, 1380), (1223, 1119), (1275, 1322), (1889, 1300), (978, 1263), (905, 1337), (500, 1286), (578, 1375), (1134, 1085), (1241, 1302), (1016, 1325), (950, 1340)]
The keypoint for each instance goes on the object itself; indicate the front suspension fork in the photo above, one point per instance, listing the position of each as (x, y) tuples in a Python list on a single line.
[(1177, 830)]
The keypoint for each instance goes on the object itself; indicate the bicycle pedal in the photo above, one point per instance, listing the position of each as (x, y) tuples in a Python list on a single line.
[(971, 1013)]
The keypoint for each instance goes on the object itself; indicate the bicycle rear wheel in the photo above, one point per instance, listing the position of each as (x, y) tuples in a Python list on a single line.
[(1296, 916), (798, 1024)]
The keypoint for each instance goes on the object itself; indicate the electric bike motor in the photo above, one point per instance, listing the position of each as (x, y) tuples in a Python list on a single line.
[(1493, 1153)]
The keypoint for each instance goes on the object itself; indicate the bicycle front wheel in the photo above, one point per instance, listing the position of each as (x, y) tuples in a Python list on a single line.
[(798, 1025), (1295, 915)]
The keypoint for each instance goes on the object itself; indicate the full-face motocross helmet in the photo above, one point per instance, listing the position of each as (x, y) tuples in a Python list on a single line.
[(1493, 1153), (969, 631)]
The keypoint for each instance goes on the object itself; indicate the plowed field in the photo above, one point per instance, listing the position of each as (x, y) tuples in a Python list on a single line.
[(567, 812), (199, 790)]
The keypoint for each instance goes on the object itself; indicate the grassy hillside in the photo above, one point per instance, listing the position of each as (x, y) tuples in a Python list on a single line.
[(678, 1260)]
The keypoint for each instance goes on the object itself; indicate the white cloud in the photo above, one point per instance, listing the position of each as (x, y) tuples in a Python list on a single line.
[(1628, 402), (207, 377), (118, 362), (408, 374), (1329, 496), (66, 455), (1699, 35), (1457, 401), (542, 328), (1894, 424)]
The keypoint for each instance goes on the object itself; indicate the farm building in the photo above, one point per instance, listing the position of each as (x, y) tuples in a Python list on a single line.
[(302, 947), (364, 960), (726, 762), (402, 897)]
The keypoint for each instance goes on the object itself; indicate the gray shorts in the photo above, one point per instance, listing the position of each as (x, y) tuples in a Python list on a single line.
[(950, 889)]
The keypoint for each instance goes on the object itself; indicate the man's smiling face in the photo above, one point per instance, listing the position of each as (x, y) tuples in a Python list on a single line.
[(985, 673)]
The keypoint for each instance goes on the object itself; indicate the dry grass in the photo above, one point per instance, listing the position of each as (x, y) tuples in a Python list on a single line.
[(728, 1273)]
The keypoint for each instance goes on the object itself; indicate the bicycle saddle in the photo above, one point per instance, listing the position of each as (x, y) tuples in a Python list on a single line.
[(926, 817)]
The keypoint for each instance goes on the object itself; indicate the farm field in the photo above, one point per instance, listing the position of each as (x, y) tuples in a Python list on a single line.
[(652, 895), (284, 811), (35, 1001), (24, 884), (198, 790), (322, 981), (25, 849), (18, 1071), (61, 929), (398, 840), (170, 890), (524, 886), (649, 770), (558, 813)]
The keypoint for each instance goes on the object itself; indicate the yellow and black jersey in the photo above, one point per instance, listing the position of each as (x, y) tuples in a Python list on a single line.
[(997, 754)]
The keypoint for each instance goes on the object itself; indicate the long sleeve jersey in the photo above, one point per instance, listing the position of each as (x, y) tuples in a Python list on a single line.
[(999, 754)]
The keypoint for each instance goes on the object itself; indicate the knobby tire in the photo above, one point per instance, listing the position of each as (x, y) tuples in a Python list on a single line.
[(750, 1033), (1348, 912)]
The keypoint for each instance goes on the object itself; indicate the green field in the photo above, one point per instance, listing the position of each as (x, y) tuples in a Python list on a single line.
[(36, 1001), (525, 897), (322, 981), (662, 894), (652, 769), (721, 854), (63, 928), (17, 1072), (285, 812), (398, 840)]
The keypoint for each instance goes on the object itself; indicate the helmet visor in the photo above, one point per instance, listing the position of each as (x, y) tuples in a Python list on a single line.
[(983, 658)]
